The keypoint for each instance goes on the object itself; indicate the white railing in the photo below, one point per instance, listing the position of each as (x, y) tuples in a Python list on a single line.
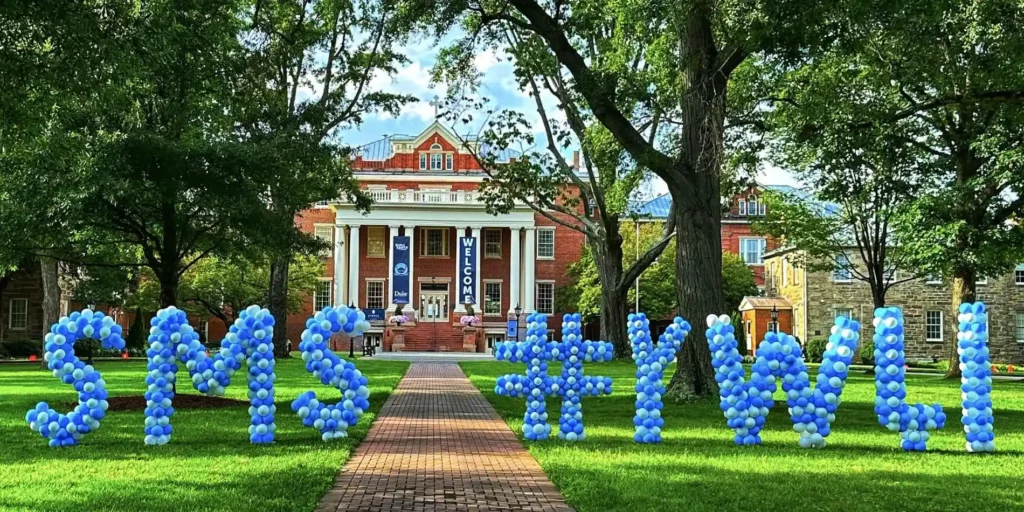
[(410, 197)]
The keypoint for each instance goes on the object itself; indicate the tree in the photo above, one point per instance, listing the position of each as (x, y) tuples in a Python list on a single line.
[(940, 85), (688, 51)]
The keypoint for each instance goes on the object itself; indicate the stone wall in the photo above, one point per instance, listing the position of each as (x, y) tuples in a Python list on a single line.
[(823, 297)]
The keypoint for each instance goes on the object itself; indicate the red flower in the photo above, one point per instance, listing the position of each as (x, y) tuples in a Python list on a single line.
[(1009, 368), (994, 369)]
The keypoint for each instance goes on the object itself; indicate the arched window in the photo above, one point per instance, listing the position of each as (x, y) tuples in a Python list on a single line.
[(435, 147)]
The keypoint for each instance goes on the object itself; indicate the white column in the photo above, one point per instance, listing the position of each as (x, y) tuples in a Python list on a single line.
[(393, 232), (460, 308), (530, 270), (339, 266), (353, 267), (410, 309), (514, 276), (479, 307)]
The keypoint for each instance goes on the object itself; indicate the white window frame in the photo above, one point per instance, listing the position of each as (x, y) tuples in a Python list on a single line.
[(541, 256), (836, 312), (761, 209), (11, 314), (762, 242), (316, 293), (486, 301), (425, 243), (1018, 275), (487, 243), (1019, 326), (848, 272), (891, 276), (423, 161), (785, 273), (536, 296), (983, 281), (370, 230), (449, 161), (752, 206), (383, 292), (436, 162), (329, 238), (932, 280), (942, 327), (321, 204), (741, 207)]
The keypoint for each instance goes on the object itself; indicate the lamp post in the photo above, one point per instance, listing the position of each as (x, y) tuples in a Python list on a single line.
[(351, 342), (518, 311), (775, 319)]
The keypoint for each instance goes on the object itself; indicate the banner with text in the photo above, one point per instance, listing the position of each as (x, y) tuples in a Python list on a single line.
[(467, 270), (400, 270)]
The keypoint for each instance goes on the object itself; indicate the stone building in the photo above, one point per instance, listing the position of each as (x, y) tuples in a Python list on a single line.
[(817, 298)]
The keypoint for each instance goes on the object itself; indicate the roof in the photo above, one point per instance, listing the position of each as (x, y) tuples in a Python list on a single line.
[(749, 303), (656, 208)]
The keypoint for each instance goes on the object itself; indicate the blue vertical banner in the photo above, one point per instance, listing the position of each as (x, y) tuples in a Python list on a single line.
[(467, 270), (400, 270)]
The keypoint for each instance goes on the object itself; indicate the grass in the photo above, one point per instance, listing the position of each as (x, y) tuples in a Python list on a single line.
[(208, 465), (698, 467)]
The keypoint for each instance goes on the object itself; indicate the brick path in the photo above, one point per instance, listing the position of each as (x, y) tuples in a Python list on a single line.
[(439, 445)]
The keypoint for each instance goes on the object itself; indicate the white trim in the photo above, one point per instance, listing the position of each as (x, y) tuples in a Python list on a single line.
[(929, 280), (536, 295), (501, 243), (10, 314), (330, 292), (849, 271), (330, 241), (1017, 316), (942, 326), (981, 280), (384, 299), (413, 176), (764, 247), (537, 252)]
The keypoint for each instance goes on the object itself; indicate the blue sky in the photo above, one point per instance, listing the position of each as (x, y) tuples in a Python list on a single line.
[(498, 85)]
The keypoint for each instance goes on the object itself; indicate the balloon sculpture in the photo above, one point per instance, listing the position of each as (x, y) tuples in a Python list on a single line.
[(573, 385), (67, 430), (976, 377), (332, 421), (173, 340), (912, 422), (536, 385), (651, 362)]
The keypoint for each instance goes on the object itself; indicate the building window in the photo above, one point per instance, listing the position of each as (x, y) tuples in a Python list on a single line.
[(546, 244), (423, 161), (1020, 327), (752, 250), (492, 298), (449, 161), (322, 295), (375, 242), (325, 233), (847, 312), (592, 209), (375, 295), (982, 280), (546, 298), (1018, 275), (761, 209), (320, 204), (492, 243), (890, 275), (435, 147), (842, 273), (752, 206), (932, 279), (785, 271), (742, 207), (435, 161), (18, 317), (933, 325), (434, 242)]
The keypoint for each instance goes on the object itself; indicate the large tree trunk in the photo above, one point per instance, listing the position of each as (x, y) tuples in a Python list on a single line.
[(169, 288), (698, 206), (51, 292), (608, 259), (278, 303), (964, 290)]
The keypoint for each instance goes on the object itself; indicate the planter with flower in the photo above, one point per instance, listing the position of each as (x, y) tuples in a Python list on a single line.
[(397, 330), (469, 332)]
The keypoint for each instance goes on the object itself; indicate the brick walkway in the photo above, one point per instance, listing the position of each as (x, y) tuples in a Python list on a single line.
[(439, 445)]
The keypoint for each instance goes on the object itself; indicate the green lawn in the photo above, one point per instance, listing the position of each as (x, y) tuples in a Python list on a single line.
[(208, 465), (698, 467)]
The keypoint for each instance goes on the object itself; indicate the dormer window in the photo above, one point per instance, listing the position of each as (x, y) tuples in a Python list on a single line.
[(435, 147), (448, 161), (742, 207), (435, 162), (752, 205)]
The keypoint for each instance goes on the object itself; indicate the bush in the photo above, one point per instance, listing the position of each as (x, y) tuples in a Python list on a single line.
[(942, 365), (815, 349), (867, 350), (21, 349)]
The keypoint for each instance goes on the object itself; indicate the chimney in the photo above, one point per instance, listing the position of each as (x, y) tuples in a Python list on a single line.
[(576, 160)]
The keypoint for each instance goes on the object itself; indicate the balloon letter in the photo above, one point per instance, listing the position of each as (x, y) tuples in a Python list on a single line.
[(332, 421), (651, 362), (912, 422), (536, 385), (67, 430), (573, 385), (976, 377)]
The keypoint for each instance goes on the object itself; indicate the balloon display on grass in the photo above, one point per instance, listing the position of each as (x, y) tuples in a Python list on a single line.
[(172, 340), (976, 377), (812, 411), (67, 429), (334, 420), (744, 413), (651, 361), (572, 352), (536, 385), (912, 422)]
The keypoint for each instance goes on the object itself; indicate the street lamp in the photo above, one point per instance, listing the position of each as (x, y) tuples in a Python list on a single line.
[(518, 311), (775, 319), (351, 342)]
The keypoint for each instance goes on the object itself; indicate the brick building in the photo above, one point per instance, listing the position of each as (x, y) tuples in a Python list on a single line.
[(429, 248), (817, 298)]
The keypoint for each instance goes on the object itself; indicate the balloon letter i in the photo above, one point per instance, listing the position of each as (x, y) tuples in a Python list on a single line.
[(976, 377), (912, 422)]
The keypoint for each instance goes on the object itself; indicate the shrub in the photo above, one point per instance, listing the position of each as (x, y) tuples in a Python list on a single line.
[(867, 350), (815, 349), (943, 365), (20, 349)]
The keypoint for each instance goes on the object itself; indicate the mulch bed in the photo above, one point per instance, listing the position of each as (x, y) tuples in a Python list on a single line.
[(138, 403)]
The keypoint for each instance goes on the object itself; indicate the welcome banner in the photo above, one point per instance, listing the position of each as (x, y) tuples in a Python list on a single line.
[(467, 270)]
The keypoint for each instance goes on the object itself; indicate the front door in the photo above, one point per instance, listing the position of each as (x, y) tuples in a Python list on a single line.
[(433, 302)]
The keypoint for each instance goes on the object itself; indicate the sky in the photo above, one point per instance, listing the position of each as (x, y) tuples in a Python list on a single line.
[(498, 85)]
